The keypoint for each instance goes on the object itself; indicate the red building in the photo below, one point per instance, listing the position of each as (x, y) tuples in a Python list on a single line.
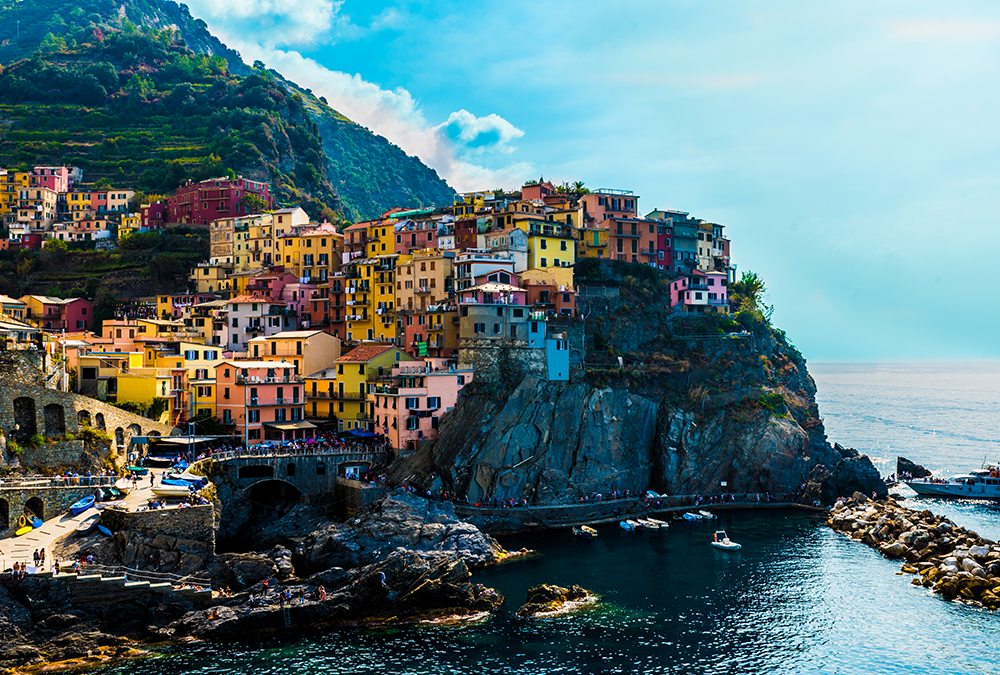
[(200, 203), (153, 215)]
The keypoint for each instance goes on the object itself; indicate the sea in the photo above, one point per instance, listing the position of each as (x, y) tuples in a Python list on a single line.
[(797, 598)]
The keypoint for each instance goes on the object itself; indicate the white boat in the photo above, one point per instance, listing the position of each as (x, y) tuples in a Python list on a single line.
[(981, 484), (648, 524), (636, 525), (693, 517), (722, 540), (662, 524), (707, 515), (100, 506), (174, 491)]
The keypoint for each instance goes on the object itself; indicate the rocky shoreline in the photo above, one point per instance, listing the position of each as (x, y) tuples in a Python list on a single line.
[(954, 562)]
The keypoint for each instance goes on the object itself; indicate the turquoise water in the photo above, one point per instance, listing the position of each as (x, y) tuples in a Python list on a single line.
[(798, 598)]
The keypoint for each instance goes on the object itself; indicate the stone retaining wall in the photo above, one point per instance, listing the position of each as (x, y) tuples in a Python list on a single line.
[(54, 500), (354, 495), (195, 522)]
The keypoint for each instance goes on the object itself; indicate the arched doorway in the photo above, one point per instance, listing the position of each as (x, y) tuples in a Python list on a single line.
[(134, 430), (55, 420), (35, 506), (4, 514), (120, 437), (99, 421), (24, 418), (83, 418)]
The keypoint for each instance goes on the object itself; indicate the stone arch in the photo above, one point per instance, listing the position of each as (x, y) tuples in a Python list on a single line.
[(55, 420), (120, 437), (83, 418), (154, 433), (24, 418), (35, 506), (99, 421), (4, 514), (133, 430)]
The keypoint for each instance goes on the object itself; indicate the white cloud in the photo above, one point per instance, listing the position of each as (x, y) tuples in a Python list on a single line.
[(482, 134), (944, 29), (277, 22)]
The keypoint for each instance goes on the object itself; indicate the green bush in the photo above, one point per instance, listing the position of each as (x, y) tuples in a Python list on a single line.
[(36, 440), (95, 437), (14, 448), (773, 402), (132, 407)]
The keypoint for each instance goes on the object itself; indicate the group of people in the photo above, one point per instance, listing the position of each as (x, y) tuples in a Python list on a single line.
[(39, 557), (285, 595)]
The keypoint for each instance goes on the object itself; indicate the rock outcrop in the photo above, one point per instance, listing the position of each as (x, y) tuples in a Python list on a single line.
[(912, 469), (401, 520), (546, 600), (953, 561)]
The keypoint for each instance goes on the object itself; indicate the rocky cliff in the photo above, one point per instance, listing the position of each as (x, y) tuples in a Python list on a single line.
[(700, 405)]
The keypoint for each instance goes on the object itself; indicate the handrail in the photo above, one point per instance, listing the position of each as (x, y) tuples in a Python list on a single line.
[(58, 481)]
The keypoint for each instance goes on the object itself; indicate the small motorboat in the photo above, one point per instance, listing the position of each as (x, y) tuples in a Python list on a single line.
[(707, 515), (197, 481), (692, 517), (82, 505), (662, 524), (175, 491), (626, 525), (103, 505), (636, 525), (176, 482), (137, 470), (648, 524), (722, 540), (584, 532), (88, 523)]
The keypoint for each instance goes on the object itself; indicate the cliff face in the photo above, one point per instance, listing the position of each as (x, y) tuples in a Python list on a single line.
[(733, 412)]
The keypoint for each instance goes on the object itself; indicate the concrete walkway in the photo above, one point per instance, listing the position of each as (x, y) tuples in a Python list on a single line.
[(21, 549)]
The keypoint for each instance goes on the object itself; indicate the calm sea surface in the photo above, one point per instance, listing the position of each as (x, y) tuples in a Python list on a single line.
[(798, 598)]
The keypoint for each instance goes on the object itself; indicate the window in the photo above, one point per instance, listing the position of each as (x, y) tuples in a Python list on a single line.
[(412, 403), (545, 262), (225, 393), (433, 402), (478, 328), (543, 244), (279, 414), (518, 313), (320, 469), (412, 423), (253, 416), (461, 379)]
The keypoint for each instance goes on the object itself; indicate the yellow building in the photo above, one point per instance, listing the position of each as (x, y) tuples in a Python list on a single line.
[(11, 183), (129, 224), (261, 240), (423, 279), (308, 350), (196, 360), (550, 246), (381, 238), (354, 371), (592, 242), (209, 278), (312, 254), (358, 298)]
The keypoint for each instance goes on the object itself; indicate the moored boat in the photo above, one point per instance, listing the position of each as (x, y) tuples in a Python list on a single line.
[(137, 470), (103, 530), (707, 515), (662, 524), (24, 530), (82, 505), (692, 517), (626, 525), (636, 525), (584, 532), (36, 522), (722, 541), (981, 484), (648, 524)]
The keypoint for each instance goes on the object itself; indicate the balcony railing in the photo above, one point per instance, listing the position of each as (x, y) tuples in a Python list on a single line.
[(253, 379)]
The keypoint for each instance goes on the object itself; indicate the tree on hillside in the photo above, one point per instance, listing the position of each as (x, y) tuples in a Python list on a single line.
[(253, 203), (51, 43), (747, 295)]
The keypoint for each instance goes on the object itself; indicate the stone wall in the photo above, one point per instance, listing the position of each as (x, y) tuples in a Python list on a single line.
[(28, 407), (355, 495), (195, 523), (53, 500), (510, 360)]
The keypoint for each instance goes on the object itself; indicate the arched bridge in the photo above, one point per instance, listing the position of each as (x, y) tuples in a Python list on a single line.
[(311, 473)]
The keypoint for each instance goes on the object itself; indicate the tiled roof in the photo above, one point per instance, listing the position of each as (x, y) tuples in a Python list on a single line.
[(365, 353)]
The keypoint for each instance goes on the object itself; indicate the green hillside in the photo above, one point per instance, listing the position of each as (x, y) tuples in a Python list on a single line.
[(141, 94)]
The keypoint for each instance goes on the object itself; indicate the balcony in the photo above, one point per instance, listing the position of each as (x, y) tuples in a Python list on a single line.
[(347, 396), (422, 290), (253, 379), (623, 233)]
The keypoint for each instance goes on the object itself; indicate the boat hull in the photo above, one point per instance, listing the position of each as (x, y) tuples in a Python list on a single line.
[(722, 546), (172, 491), (955, 490), (82, 505)]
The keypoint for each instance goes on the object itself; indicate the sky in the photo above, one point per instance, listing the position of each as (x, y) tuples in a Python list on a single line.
[(849, 148)]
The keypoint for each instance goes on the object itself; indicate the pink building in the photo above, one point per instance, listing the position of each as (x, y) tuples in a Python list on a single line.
[(57, 178), (409, 403), (602, 204), (701, 292), (261, 401), (415, 235), (215, 198), (153, 216)]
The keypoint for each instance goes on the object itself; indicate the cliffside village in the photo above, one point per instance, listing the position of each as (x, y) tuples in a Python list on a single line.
[(293, 327)]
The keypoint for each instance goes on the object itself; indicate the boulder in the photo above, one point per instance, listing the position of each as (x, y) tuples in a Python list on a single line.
[(545, 599), (903, 465)]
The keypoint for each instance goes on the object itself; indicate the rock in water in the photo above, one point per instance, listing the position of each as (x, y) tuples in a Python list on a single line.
[(547, 599), (903, 465)]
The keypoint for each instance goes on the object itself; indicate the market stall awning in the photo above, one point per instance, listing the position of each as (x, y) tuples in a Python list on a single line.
[(290, 426)]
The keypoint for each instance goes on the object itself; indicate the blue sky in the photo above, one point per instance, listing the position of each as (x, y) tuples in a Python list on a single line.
[(850, 148)]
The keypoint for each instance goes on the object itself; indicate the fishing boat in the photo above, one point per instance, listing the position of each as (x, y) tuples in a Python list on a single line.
[(584, 532), (636, 525), (662, 524), (981, 484), (691, 517), (82, 505), (175, 491), (707, 515), (88, 523), (648, 524), (722, 541)]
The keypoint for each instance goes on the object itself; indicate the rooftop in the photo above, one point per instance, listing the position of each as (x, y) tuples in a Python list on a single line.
[(365, 353)]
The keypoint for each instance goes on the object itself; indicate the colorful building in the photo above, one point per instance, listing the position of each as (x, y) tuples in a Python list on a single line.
[(202, 202), (261, 400)]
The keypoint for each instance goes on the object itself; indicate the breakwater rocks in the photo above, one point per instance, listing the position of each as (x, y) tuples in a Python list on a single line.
[(547, 600), (952, 561)]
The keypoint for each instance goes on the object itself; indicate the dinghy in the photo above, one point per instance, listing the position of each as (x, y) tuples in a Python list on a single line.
[(584, 532), (88, 523), (82, 505), (722, 540), (692, 517), (707, 515)]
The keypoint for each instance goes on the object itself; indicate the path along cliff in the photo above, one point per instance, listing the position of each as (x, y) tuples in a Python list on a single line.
[(700, 404)]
